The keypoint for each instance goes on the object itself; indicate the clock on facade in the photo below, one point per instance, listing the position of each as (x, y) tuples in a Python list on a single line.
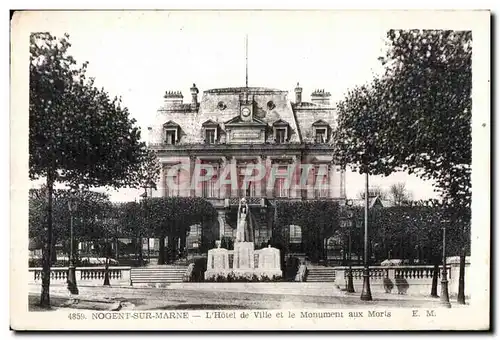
[(245, 112)]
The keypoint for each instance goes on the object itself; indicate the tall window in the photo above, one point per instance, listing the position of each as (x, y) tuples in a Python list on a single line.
[(280, 189), (172, 185), (210, 136), (295, 234), (208, 187), (280, 135), (320, 135), (246, 189), (193, 240), (321, 182)]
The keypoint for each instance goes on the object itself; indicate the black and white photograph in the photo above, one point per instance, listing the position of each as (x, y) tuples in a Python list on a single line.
[(259, 170)]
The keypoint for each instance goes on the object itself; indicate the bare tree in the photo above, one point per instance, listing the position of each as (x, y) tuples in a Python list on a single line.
[(399, 195)]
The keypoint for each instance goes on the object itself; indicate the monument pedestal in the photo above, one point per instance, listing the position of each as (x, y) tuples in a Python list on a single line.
[(217, 263), (269, 264), (244, 256), (247, 263)]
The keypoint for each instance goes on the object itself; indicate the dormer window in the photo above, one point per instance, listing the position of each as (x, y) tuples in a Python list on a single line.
[(321, 131), (171, 132), (171, 137), (281, 131), (280, 135), (320, 135), (210, 136), (210, 131)]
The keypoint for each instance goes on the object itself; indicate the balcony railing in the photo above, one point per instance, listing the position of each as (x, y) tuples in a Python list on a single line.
[(251, 201)]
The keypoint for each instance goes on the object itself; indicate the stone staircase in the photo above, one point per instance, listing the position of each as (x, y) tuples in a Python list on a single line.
[(157, 274), (320, 274)]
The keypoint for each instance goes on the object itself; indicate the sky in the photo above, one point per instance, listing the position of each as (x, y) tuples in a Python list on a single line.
[(139, 56)]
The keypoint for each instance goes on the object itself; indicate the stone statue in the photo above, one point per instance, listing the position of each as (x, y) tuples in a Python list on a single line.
[(242, 220)]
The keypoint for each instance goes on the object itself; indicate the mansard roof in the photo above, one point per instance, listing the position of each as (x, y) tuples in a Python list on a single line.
[(249, 90), (300, 117)]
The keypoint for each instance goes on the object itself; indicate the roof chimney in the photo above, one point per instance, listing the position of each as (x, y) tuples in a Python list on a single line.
[(320, 97), (298, 94), (173, 98), (194, 97)]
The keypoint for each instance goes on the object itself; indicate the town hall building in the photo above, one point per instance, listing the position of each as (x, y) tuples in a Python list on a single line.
[(241, 126)]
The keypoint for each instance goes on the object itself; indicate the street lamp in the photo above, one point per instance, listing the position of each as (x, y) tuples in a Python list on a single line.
[(72, 286), (148, 185), (366, 294), (445, 298), (349, 220)]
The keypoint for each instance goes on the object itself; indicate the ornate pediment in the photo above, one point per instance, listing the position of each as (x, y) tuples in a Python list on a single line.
[(171, 124), (240, 131), (320, 122), (238, 121), (281, 122), (210, 123)]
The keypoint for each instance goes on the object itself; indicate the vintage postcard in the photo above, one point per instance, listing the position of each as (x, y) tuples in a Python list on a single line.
[(250, 170)]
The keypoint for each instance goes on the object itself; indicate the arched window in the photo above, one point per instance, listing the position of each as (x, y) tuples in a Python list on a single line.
[(295, 234), (193, 240)]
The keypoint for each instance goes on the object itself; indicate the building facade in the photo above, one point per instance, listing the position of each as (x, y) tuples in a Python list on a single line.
[(239, 129)]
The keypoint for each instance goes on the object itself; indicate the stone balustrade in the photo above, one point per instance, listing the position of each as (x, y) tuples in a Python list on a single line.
[(381, 272), (91, 276), (412, 280)]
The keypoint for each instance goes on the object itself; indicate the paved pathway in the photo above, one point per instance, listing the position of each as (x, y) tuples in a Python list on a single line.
[(225, 296)]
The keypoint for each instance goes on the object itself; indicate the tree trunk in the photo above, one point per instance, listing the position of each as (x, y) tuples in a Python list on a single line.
[(161, 255), (106, 264), (183, 244), (325, 255), (149, 250), (135, 249), (435, 274), (141, 259), (116, 248), (173, 248), (53, 253), (344, 254), (47, 247), (461, 279)]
